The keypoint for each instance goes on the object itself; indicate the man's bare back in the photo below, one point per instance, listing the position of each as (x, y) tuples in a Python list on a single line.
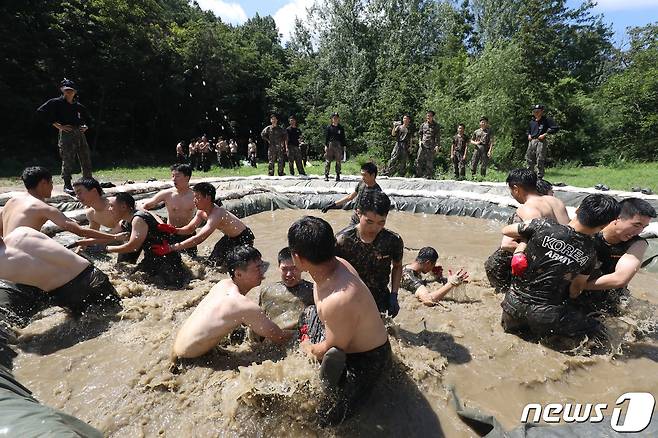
[(24, 211), (30, 257), (348, 311), (221, 311), (225, 221), (548, 207)]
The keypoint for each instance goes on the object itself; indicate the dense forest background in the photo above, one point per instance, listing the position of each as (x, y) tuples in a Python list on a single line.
[(153, 72)]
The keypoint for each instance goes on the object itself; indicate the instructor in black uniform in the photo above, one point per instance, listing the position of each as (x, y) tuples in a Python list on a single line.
[(334, 145)]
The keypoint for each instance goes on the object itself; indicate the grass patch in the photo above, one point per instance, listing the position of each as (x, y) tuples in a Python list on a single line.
[(621, 177)]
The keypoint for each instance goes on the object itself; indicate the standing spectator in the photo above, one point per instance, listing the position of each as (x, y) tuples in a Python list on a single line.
[(458, 152), (70, 118), (483, 142), (275, 137), (223, 152), (252, 153), (334, 143), (429, 146), (400, 155), (303, 146), (539, 127), (233, 148), (193, 155), (292, 147), (205, 154), (180, 153)]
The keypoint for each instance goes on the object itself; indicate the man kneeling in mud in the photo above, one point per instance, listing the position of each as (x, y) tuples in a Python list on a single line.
[(425, 263), (353, 345), (226, 308), (61, 277), (560, 259)]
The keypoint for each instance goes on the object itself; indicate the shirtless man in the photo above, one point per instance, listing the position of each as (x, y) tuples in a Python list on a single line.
[(31, 210), (89, 192), (523, 188), (178, 200), (355, 350), (226, 308), (216, 217), (31, 258), (424, 264)]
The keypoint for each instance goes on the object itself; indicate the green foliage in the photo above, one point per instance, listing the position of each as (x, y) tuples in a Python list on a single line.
[(154, 72)]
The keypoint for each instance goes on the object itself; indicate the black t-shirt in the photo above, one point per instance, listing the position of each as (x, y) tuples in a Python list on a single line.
[(371, 260), (60, 111), (335, 133), (293, 136), (608, 254), (541, 126), (556, 255), (153, 235)]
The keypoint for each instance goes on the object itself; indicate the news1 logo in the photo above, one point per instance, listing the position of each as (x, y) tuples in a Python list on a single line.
[(638, 412)]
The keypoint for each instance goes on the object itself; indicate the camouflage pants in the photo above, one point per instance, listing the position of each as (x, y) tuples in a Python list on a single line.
[(398, 162), (72, 144), (334, 153), (425, 162), (459, 164), (536, 155), (275, 153), (295, 157), (480, 156)]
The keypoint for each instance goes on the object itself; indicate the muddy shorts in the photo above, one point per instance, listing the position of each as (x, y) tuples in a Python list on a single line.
[(361, 374), (169, 268), (226, 244), (91, 286), (499, 270), (544, 320), (602, 301), (20, 302)]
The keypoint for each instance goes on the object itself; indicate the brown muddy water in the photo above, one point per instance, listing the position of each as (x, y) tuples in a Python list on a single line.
[(116, 374)]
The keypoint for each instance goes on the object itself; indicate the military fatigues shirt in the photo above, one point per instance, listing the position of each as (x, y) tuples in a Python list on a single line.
[(539, 299), (480, 154), (284, 305), (275, 136), (429, 139), (459, 147), (372, 261), (411, 280), (335, 142), (361, 189), (400, 154)]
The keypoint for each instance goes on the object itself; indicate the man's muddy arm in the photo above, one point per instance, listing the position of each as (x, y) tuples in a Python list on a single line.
[(189, 228), (626, 268), (67, 224), (257, 321), (195, 240), (136, 240), (577, 285)]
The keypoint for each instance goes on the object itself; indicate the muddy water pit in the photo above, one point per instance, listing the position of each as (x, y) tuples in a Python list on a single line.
[(116, 374)]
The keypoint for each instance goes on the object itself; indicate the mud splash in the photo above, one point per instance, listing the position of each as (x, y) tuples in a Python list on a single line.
[(116, 373)]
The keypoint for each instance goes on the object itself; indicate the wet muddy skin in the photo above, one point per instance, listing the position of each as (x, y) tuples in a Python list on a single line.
[(116, 375)]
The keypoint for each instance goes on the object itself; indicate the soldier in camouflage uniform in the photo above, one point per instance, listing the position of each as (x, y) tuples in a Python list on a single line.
[(275, 137), (482, 139), (70, 118), (458, 152), (374, 251), (428, 147), (425, 264), (400, 155), (284, 301)]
